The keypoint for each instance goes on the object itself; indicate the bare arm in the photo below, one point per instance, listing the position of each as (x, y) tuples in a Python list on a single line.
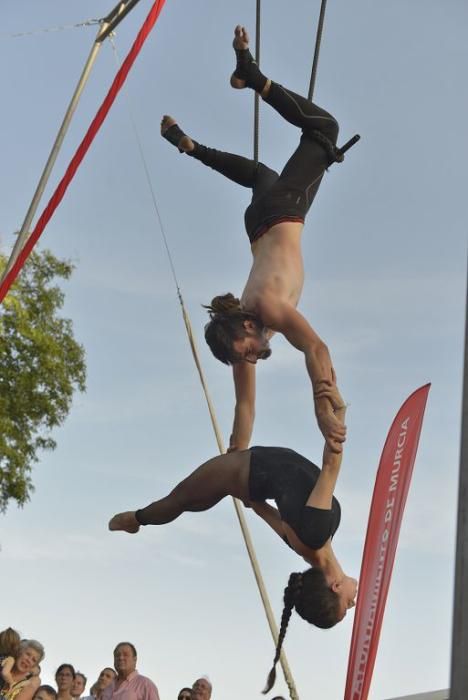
[(7, 666), (284, 318), (322, 493), (244, 412), (28, 691), (270, 515)]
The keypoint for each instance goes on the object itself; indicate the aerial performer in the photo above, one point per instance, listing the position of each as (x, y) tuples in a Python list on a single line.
[(306, 517), (239, 330)]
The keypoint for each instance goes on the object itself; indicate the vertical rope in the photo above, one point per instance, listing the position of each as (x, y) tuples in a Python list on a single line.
[(318, 41), (257, 96)]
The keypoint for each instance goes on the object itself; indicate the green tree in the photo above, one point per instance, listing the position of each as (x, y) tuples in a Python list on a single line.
[(41, 365)]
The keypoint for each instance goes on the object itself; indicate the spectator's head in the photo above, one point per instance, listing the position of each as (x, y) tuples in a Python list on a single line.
[(64, 677), (201, 689), (78, 685), (29, 655), (105, 678), (125, 658), (9, 642), (185, 694), (45, 692)]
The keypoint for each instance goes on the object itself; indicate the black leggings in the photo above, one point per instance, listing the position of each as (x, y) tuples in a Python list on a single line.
[(287, 196)]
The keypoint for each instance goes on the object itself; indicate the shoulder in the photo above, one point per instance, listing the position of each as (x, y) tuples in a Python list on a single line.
[(144, 680), (147, 686)]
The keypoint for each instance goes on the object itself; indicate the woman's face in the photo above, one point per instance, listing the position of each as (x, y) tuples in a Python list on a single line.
[(27, 659), (64, 679), (346, 591)]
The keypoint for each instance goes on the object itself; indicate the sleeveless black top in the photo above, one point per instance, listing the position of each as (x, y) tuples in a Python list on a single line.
[(288, 478)]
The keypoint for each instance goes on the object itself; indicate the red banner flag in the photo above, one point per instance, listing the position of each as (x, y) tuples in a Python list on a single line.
[(388, 502)]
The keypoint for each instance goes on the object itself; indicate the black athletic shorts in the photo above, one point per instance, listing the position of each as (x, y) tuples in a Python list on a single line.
[(288, 478)]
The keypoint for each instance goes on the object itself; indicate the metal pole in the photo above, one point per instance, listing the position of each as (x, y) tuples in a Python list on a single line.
[(318, 41), (459, 670), (257, 96)]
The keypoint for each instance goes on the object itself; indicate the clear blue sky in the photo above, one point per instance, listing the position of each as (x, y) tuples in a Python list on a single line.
[(385, 259)]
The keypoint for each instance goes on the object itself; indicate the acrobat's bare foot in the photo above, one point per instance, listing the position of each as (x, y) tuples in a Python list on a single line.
[(240, 44), (241, 38), (125, 521), (171, 131)]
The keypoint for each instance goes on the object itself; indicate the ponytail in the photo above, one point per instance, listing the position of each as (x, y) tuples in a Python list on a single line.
[(224, 305), (312, 598), (292, 593)]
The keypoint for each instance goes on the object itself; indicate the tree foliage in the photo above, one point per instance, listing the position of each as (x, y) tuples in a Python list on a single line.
[(41, 365)]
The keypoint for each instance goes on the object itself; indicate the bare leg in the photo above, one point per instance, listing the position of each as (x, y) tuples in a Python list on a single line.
[(226, 475)]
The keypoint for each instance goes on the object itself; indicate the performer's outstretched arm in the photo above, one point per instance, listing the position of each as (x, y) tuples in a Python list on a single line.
[(322, 493), (285, 319), (244, 413)]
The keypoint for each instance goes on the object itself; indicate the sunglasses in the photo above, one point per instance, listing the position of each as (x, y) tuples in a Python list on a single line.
[(184, 697)]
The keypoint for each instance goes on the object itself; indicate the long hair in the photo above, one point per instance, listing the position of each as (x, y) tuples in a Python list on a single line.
[(226, 324), (9, 642), (313, 600)]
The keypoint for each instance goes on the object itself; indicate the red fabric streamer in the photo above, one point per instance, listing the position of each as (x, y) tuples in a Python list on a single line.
[(83, 147), (388, 502)]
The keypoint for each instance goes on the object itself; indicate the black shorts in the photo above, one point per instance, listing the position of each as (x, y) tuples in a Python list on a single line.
[(288, 478), (286, 197)]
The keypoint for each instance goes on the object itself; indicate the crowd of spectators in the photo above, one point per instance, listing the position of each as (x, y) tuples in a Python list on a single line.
[(20, 676)]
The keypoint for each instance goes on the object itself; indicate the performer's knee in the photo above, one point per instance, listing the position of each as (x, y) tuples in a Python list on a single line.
[(328, 126)]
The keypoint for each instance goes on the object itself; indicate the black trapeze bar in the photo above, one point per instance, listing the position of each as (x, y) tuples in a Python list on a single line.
[(341, 151)]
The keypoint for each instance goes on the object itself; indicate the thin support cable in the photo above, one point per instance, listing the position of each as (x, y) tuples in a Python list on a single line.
[(318, 41), (45, 30), (147, 174), (257, 96), (214, 422)]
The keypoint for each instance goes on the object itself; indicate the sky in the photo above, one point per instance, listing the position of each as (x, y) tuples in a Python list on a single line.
[(385, 258)]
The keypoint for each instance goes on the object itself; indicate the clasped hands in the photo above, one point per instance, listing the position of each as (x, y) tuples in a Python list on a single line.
[(329, 410)]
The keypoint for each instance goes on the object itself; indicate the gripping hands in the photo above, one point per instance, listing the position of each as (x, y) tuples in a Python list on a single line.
[(328, 402)]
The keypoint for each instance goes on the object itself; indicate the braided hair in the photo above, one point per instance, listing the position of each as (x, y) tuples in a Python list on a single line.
[(313, 599), (226, 324), (291, 595)]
